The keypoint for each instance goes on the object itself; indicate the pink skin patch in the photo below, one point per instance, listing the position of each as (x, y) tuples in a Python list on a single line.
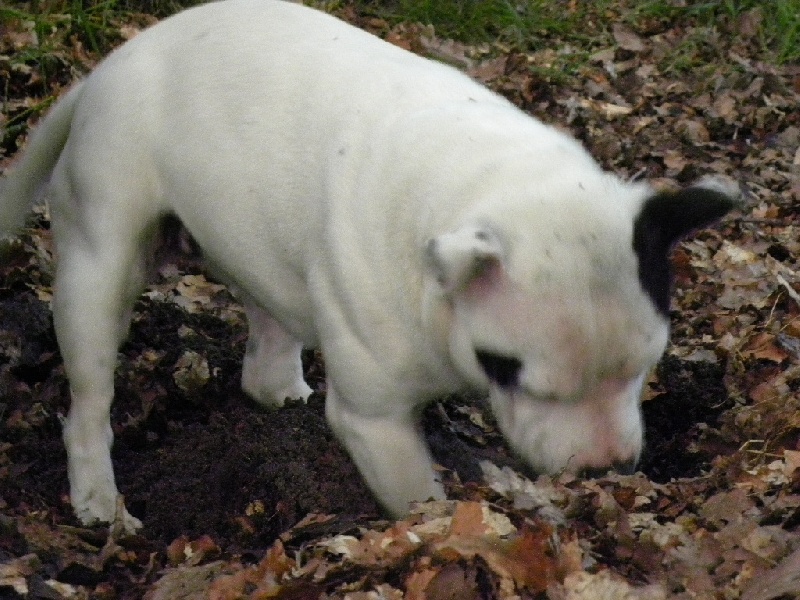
[(601, 428)]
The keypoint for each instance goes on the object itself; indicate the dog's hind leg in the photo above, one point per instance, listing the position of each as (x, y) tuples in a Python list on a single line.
[(100, 272), (272, 370)]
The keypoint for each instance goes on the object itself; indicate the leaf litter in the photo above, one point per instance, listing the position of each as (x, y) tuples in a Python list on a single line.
[(715, 513)]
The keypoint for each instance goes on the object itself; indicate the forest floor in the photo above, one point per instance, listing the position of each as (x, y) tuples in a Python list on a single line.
[(239, 502)]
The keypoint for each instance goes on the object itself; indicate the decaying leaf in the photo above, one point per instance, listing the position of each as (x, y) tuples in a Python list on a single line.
[(602, 586), (781, 581), (191, 372)]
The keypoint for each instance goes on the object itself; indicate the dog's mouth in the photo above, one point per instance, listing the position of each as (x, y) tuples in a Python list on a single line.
[(499, 369)]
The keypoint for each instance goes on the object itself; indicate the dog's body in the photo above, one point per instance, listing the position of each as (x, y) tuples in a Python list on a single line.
[(424, 233)]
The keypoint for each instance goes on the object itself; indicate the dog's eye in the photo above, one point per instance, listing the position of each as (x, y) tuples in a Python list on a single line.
[(502, 370)]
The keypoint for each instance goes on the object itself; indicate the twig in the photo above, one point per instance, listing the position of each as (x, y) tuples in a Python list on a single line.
[(789, 289)]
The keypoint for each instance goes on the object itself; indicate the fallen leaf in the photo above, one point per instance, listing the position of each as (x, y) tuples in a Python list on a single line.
[(782, 581), (627, 39), (453, 582), (191, 583), (191, 372), (602, 586), (792, 460)]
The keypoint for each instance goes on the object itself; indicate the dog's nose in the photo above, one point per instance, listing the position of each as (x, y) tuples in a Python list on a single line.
[(626, 467)]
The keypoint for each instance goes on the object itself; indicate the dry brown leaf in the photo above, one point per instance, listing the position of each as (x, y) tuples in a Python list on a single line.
[(191, 372), (176, 551), (14, 573), (452, 582), (724, 106), (782, 581), (627, 39), (602, 586), (468, 519), (418, 580), (792, 460), (726, 507), (489, 70), (527, 559), (764, 346), (191, 583), (693, 131)]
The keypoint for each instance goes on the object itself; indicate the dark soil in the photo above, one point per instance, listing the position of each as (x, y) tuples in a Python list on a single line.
[(679, 423), (211, 462)]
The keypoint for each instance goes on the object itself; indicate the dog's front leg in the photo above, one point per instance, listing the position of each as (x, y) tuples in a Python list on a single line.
[(388, 450)]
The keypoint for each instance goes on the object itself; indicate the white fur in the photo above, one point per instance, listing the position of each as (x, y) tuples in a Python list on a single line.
[(314, 164)]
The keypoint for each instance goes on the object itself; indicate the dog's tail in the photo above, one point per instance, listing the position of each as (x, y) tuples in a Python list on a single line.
[(19, 189)]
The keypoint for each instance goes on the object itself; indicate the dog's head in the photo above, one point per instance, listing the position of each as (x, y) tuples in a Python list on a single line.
[(561, 310)]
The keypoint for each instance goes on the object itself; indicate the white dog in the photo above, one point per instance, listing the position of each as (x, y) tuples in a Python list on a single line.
[(427, 235)]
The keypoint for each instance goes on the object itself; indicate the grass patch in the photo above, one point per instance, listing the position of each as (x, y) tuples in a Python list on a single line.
[(52, 24), (528, 24), (778, 21), (95, 23), (783, 29), (517, 23)]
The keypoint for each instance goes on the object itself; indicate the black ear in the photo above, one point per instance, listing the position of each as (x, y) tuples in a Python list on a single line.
[(664, 219)]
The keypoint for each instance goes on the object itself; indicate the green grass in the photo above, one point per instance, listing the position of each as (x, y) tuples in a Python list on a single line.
[(518, 23), (54, 24), (94, 23), (89, 23), (528, 23), (783, 29), (779, 27), (523, 23)]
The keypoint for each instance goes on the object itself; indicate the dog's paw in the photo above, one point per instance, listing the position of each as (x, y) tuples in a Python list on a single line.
[(299, 390), (271, 382), (130, 523), (92, 512), (127, 523)]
